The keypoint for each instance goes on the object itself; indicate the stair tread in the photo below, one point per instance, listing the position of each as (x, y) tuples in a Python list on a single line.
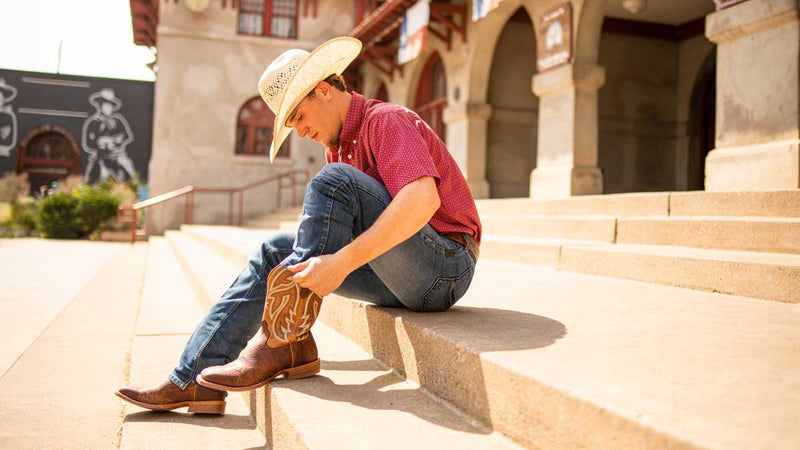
[(784, 259), (356, 392), (667, 358)]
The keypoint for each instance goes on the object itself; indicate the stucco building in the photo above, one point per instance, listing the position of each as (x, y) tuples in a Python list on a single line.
[(540, 98)]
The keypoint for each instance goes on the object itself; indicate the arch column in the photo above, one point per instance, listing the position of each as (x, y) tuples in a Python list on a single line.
[(567, 144), (467, 125), (757, 143)]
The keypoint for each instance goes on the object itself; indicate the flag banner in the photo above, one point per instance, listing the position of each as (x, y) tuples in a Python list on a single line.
[(413, 31), (480, 8)]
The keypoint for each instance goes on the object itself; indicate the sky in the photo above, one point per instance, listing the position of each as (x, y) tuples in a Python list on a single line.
[(96, 38)]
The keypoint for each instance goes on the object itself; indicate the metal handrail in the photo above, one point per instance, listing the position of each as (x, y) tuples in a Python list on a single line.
[(189, 192)]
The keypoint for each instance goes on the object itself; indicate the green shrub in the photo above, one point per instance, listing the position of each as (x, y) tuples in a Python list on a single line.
[(95, 206), (24, 214), (58, 217)]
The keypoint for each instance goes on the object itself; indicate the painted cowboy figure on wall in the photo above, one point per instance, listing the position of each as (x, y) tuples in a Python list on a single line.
[(8, 121), (106, 133)]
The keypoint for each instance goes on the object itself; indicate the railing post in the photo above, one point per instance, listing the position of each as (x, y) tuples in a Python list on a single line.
[(230, 208), (241, 205), (294, 189), (133, 226), (280, 191), (190, 208)]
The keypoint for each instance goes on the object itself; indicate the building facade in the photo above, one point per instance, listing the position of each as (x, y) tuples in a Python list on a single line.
[(53, 126), (540, 98)]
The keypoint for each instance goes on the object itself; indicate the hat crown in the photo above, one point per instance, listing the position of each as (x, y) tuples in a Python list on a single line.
[(275, 78)]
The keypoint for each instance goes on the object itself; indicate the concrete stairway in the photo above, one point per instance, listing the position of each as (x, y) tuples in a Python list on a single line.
[(690, 338)]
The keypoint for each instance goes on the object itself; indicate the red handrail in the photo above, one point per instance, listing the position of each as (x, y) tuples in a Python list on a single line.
[(189, 192)]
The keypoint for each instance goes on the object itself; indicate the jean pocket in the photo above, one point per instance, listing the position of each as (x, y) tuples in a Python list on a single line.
[(446, 291)]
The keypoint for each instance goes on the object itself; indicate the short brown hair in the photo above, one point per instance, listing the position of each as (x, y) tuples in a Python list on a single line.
[(337, 81)]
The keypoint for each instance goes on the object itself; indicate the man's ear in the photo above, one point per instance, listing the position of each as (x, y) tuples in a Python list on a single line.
[(324, 89)]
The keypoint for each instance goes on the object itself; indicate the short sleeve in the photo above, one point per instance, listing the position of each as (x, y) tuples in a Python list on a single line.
[(400, 150)]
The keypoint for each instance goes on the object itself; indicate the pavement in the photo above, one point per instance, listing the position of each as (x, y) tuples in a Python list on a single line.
[(72, 336)]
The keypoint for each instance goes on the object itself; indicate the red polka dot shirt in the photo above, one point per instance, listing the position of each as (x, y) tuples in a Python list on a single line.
[(395, 146)]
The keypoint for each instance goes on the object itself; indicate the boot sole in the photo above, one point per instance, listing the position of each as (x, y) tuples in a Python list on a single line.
[(294, 373), (197, 407)]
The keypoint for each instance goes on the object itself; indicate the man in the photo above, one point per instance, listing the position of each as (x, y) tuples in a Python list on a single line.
[(389, 220), (106, 134)]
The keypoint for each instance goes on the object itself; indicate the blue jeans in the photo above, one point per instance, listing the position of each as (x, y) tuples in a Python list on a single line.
[(427, 272)]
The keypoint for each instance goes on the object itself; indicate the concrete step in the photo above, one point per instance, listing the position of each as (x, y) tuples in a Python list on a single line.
[(590, 228), (208, 273), (167, 317), (269, 223), (639, 204), (731, 272), (769, 276), (693, 203), (536, 251), (640, 368), (353, 391), (753, 203), (59, 392), (564, 360), (760, 234), (357, 402)]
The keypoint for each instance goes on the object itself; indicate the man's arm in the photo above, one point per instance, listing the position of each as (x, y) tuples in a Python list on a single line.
[(408, 212)]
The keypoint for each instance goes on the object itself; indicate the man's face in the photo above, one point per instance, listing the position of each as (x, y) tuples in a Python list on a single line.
[(106, 108), (317, 118)]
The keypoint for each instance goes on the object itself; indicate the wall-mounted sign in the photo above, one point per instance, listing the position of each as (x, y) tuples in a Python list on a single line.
[(481, 8), (555, 38), (413, 30)]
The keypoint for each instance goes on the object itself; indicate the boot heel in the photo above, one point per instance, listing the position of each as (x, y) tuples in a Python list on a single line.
[(207, 407), (304, 371)]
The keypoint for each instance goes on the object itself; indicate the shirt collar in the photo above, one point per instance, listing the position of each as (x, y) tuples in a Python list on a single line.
[(352, 123)]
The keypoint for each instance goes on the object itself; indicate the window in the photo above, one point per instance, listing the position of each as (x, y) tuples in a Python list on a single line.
[(254, 130), (276, 18), (431, 96)]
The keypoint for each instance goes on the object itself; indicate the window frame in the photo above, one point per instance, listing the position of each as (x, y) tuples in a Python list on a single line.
[(425, 105), (266, 24), (259, 116)]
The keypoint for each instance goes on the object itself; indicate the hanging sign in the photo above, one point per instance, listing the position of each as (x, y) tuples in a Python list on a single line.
[(413, 31), (481, 8), (555, 38)]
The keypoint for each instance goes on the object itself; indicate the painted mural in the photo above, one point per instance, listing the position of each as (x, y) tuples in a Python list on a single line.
[(105, 136), (8, 120), (66, 125)]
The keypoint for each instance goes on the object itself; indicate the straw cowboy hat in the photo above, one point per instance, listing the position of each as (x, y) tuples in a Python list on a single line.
[(105, 95), (7, 92), (295, 73)]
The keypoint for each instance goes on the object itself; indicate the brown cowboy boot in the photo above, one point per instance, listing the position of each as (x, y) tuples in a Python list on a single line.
[(284, 344), (168, 396)]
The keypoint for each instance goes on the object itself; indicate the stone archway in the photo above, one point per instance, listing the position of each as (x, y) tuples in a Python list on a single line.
[(48, 153), (702, 122), (512, 127)]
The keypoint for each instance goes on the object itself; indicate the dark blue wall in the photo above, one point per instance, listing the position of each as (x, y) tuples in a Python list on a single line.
[(63, 100)]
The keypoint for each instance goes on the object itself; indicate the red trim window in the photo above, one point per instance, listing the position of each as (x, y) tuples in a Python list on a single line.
[(254, 130), (277, 18), (431, 96)]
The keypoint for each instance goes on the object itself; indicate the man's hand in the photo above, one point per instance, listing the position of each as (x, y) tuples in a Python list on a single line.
[(322, 274)]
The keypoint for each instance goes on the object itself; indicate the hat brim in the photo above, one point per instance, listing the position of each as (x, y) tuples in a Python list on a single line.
[(330, 58), (96, 102)]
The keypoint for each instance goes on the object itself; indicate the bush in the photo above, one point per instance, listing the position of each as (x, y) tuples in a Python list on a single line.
[(19, 217), (95, 206), (58, 217), (13, 186)]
